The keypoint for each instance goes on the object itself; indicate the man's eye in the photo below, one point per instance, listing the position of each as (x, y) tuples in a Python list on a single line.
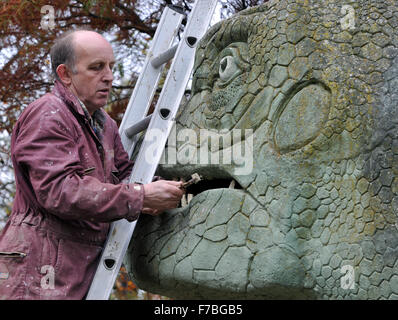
[(228, 68), (96, 67)]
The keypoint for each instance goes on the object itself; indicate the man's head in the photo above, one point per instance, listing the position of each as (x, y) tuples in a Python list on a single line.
[(83, 61)]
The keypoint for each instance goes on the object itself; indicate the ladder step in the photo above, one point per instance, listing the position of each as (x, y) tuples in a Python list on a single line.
[(138, 127), (164, 57)]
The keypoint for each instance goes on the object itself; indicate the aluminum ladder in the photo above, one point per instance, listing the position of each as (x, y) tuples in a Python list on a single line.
[(158, 124)]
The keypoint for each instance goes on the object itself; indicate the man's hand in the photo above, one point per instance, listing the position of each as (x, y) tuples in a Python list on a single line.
[(161, 195)]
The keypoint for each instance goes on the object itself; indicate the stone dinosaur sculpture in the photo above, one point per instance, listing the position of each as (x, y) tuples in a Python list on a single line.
[(316, 217)]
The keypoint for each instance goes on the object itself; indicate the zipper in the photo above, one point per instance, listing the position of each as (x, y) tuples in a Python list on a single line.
[(12, 254), (88, 170)]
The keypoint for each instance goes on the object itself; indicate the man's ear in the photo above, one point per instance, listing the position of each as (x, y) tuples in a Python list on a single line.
[(64, 73)]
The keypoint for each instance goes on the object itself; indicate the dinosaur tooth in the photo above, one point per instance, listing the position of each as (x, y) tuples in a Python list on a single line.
[(189, 197), (184, 201)]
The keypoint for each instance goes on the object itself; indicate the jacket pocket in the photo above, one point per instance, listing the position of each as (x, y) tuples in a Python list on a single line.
[(9, 263), (75, 266), (49, 252), (12, 274), (45, 285), (12, 254)]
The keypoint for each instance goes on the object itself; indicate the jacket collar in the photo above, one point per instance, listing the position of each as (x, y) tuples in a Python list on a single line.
[(62, 92), (96, 121)]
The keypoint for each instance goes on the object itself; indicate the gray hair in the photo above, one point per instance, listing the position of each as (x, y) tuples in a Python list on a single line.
[(63, 51)]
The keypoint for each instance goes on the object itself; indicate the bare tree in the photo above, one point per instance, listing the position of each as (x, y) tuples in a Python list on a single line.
[(230, 7)]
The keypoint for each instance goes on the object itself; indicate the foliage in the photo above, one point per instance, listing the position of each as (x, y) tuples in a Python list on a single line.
[(230, 7), (25, 73), (125, 289), (7, 185)]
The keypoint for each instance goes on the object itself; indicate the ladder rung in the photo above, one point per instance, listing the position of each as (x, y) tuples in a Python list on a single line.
[(164, 57), (138, 127)]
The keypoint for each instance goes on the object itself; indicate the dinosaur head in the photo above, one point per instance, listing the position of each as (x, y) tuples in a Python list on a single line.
[(299, 190)]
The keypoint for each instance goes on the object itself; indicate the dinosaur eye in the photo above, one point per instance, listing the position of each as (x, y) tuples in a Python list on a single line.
[(231, 62), (228, 68), (300, 119)]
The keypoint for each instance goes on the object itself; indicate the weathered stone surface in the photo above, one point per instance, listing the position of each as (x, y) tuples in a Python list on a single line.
[(232, 270), (316, 213), (266, 269)]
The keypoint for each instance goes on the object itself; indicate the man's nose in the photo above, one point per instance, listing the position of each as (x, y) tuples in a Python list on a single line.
[(108, 74)]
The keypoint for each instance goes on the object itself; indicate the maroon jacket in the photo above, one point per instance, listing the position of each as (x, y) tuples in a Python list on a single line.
[(67, 191)]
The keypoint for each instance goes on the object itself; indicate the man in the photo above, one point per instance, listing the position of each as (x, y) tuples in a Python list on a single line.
[(69, 163)]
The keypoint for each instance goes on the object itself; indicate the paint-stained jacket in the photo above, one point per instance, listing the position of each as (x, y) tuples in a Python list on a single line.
[(68, 190)]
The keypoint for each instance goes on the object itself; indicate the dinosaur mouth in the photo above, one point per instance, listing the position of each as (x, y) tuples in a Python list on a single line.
[(206, 185)]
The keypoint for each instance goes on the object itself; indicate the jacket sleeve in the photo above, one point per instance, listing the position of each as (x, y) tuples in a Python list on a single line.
[(46, 151)]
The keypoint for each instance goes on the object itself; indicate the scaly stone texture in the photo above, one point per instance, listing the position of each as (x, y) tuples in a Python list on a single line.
[(322, 100)]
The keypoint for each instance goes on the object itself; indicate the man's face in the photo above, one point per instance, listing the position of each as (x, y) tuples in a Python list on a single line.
[(91, 79)]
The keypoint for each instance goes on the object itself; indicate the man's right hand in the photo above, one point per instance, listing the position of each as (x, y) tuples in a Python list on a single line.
[(161, 195)]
